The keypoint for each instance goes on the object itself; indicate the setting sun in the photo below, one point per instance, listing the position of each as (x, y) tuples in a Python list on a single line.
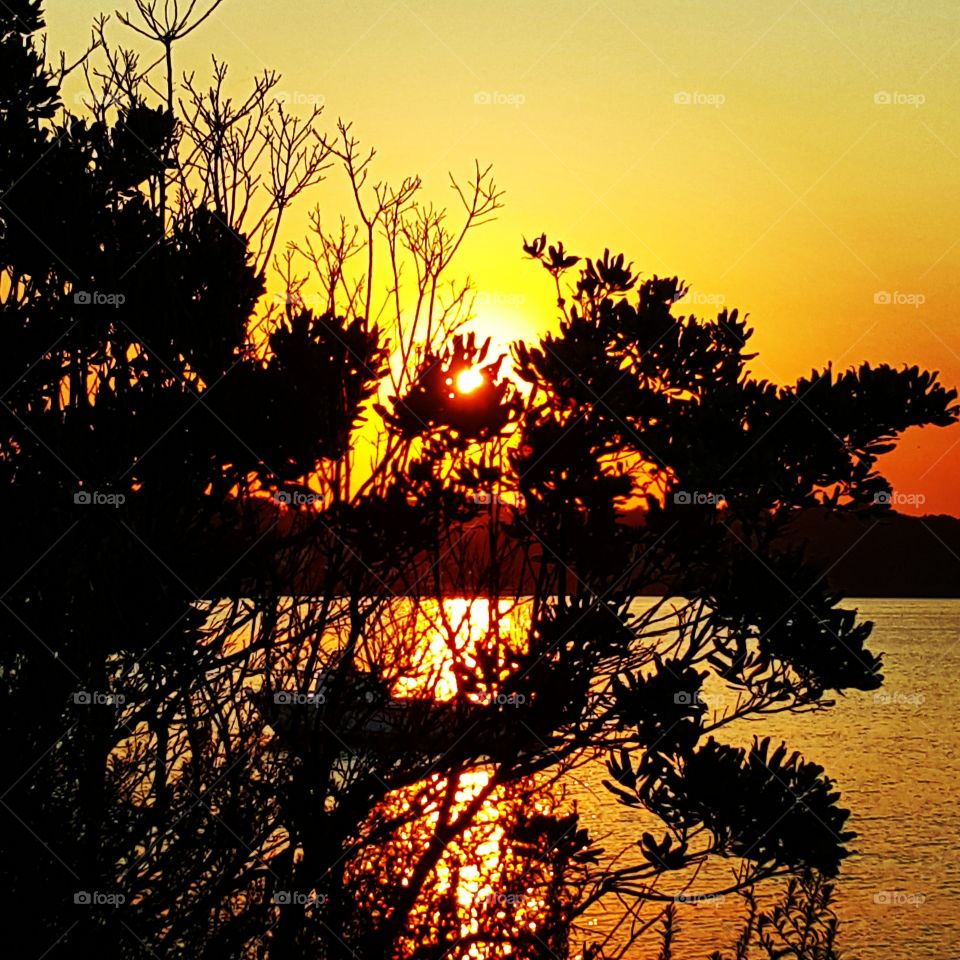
[(468, 380)]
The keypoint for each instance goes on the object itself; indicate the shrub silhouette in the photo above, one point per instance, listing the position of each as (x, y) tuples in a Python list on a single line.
[(239, 718)]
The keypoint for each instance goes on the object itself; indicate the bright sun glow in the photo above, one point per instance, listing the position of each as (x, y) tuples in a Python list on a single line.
[(468, 380)]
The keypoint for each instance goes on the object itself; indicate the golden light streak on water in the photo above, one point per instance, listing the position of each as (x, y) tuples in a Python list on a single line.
[(454, 631), (479, 866)]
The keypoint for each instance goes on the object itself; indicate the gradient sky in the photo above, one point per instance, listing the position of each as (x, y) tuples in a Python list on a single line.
[(797, 160)]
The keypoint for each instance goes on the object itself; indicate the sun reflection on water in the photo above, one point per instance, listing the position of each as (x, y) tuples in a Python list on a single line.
[(453, 632), (481, 877)]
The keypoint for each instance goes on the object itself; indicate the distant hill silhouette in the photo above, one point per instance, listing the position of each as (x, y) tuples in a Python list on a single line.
[(896, 556), (860, 555)]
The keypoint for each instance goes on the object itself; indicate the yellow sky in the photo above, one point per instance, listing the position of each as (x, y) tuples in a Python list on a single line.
[(798, 160)]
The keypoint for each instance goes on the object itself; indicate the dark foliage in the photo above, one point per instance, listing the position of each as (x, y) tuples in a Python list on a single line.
[(222, 734)]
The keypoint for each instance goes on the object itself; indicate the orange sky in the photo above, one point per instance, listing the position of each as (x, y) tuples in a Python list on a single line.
[(797, 160)]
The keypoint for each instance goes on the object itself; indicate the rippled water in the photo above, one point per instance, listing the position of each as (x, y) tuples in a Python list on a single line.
[(895, 756)]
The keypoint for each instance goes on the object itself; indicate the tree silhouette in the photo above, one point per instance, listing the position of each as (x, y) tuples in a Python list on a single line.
[(300, 640)]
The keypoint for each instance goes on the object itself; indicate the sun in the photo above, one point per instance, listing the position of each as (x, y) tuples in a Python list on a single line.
[(468, 380)]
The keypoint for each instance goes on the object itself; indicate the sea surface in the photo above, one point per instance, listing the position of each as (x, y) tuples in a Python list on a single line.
[(895, 756)]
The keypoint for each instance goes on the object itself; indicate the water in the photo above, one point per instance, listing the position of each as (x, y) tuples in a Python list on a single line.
[(895, 756)]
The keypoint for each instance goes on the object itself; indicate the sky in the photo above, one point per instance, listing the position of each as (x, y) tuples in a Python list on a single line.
[(797, 159)]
